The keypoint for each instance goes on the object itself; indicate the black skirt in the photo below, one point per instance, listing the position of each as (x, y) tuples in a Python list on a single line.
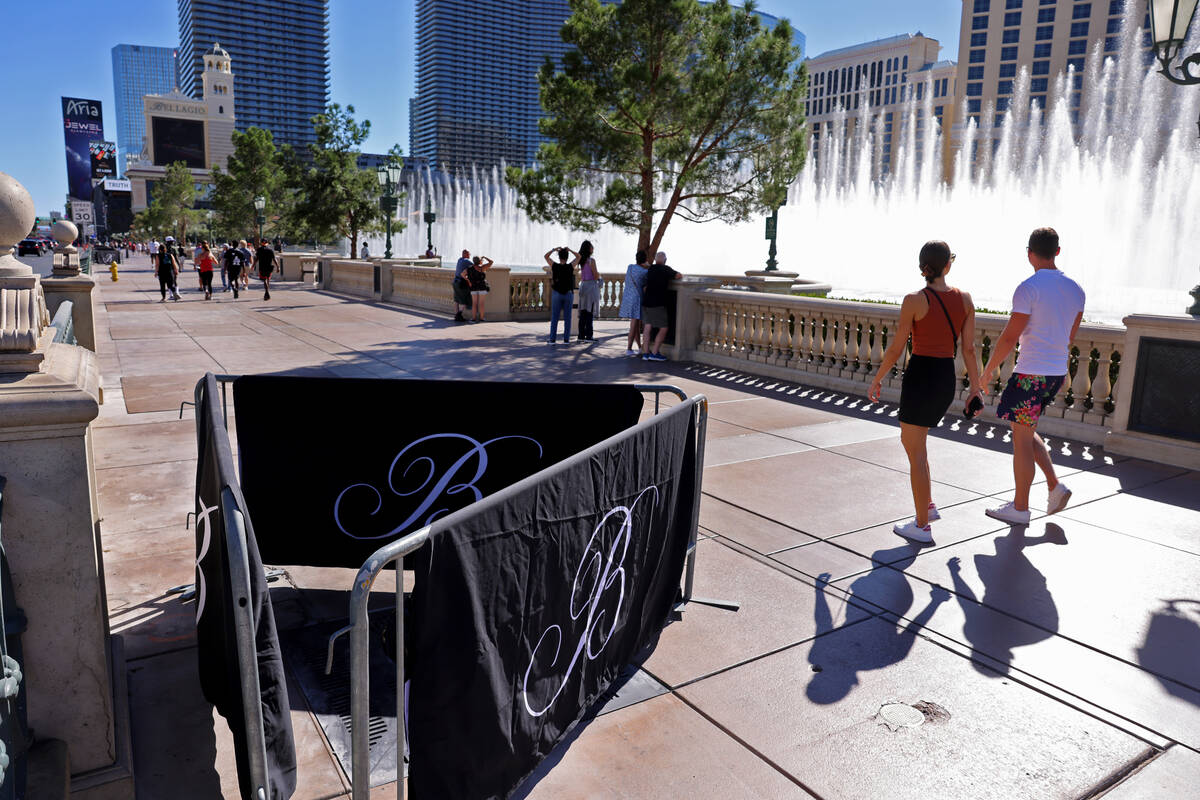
[(927, 390)]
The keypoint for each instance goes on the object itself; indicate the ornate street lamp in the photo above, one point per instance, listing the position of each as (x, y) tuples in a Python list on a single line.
[(389, 179), (260, 204), (1169, 23)]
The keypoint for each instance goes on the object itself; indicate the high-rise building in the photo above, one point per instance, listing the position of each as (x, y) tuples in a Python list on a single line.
[(477, 97), (138, 70), (282, 51), (1000, 38), (879, 79)]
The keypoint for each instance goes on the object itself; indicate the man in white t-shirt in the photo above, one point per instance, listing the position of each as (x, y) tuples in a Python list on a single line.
[(1047, 310)]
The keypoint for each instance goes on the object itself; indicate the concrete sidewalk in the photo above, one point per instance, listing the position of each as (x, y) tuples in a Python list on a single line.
[(1057, 661)]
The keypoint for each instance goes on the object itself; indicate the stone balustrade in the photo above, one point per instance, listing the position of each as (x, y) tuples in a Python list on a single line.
[(839, 345)]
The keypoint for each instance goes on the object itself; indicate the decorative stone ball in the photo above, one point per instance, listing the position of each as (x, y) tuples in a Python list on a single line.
[(64, 232), (16, 211)]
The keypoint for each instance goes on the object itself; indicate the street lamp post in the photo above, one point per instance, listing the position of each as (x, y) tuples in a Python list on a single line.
[(430, 218), (260, 204), (208, 215), (772, 229), (1169, 24), (389, 179)]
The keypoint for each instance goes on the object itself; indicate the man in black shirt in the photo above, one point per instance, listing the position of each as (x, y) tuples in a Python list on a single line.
[(264, 259), (234, 262), (167, 267), (654, 307)]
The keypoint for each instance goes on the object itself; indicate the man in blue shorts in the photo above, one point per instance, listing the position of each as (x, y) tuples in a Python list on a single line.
[(1047, 309)]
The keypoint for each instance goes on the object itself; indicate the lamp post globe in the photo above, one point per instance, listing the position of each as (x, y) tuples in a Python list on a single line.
[(260, 204), (389, 177)]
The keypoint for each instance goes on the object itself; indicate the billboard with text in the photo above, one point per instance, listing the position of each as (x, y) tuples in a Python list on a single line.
[(83, 123)]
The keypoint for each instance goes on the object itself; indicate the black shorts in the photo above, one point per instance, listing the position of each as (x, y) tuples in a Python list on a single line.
[(927, 390), (462, 292)]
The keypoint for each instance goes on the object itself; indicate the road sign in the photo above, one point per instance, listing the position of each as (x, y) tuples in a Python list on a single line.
[(82, 213), (771, 226)]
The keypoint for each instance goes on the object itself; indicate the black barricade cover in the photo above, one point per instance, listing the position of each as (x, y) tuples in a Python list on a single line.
[(335, 468), (525, 614), (220, 674)]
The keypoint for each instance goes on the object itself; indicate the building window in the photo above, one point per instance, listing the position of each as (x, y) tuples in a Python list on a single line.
[(1038, 101), (1114, 25), (1084, 11), (1115, 7), (978, 23), (1042, 50), (1012, 18), (1077, 47), (979, 39), (1008, 70), (1045, 32), (1075, 64), (1006, 54), (1013, 4), (974, 89), (1112, 44), (906, 62), (939, 110), (974, 73), (973, 106), (982, 6), (945, 87), (1076, 100), (1046, 15), (1002, 103), (1011, 36), (1004, 87), (976, 56), (1079, 29), (1041, 68), (1038, 85)]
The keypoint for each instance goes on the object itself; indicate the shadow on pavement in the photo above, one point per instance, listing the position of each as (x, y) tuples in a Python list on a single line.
[(1172, 645)]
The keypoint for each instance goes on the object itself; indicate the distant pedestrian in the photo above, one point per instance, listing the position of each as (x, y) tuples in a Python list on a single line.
[(562, 290), (477, 278), (631, 301), (196, 251), (1047, 309), (365, 253), (589, 291), (166, 266), (430, 252), (205, 262), (247, 260), (941, 319), (264, 263), (654, 307), (233, 264), (153, 247), (462, 287)]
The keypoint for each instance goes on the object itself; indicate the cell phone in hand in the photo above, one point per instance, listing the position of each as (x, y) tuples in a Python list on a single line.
[(973, 408)]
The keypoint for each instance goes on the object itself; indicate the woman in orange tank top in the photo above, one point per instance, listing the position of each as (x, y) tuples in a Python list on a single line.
[(940, 319)]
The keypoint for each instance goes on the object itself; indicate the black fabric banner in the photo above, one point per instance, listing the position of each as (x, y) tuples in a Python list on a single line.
[(334, 468), (524, 614), (221, 675)]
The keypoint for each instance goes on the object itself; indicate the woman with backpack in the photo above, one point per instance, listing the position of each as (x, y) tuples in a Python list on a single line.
[(940, 318)]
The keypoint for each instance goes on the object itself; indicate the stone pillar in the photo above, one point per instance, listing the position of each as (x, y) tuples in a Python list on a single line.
[(499, 294), (67, 283), (688, 315), (49, 394), (1158, 412)]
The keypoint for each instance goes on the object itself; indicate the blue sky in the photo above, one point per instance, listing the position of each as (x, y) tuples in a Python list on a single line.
[(67, 52)]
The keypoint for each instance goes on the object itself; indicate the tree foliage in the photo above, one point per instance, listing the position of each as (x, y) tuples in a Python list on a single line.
[(669, 107), (170, 210), (253, 170), (333, 196)]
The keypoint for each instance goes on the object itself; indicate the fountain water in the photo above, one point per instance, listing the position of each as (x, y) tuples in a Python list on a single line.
[(1122, 187)]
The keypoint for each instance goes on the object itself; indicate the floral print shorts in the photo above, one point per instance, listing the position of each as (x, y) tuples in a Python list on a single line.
[(1026, 396)]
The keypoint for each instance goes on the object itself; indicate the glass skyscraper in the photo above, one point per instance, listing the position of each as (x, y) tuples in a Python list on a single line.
[(137, 71), (281, 49)]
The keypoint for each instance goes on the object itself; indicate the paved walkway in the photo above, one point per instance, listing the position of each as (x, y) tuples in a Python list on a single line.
[(1056, 662)]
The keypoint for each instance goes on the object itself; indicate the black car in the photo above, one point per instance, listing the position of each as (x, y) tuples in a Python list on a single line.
[(31, 247)]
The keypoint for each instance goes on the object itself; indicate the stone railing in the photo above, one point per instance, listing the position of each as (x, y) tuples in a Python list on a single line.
[(352, 277), (839, 345)]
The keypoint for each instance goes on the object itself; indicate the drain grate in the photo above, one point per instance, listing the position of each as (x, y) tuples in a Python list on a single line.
[(328, 696)]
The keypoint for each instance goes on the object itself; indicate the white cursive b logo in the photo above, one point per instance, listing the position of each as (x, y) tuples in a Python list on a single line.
[(599, 581), (420, 477), (205, 528)]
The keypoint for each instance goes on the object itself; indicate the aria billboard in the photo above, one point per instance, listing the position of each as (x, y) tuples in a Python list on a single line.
[(83, 123), (104, 159), (177, 140)]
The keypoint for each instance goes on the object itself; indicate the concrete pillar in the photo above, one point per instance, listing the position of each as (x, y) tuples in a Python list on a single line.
[(67, 283), (688, 315), (499, 294)]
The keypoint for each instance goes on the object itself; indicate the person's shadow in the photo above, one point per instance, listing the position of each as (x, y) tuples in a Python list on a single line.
[(1013, 585), (836, 659), (1172, 648)]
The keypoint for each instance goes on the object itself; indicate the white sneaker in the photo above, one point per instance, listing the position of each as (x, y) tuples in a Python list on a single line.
[(631, 353), (1008, 513), (934, 516), (1059, 497), (910, 530)]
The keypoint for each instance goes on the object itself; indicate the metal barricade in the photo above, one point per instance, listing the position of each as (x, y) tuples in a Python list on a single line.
[(64, 323)]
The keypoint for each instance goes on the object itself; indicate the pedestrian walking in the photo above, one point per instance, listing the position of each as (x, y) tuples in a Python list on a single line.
[(196, 251), (462, 287), (562, 290), (654, 307), (631, 301), (167, 268), (477, 278), (247, 259), (589, 291), (233, 263), (940, 319), (1047, 309), (264, 264), (205, 262), (364, 251)]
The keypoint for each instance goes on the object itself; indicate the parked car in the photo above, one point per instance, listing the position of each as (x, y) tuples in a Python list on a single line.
[(29, 247)]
